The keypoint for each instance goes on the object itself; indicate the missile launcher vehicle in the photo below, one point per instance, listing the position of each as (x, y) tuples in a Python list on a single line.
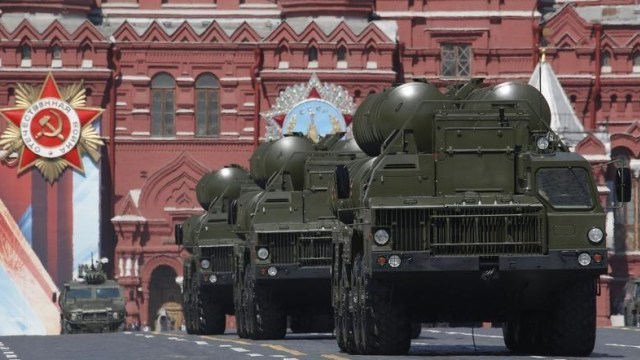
[(470, 209), (207, 284), (284, 270)]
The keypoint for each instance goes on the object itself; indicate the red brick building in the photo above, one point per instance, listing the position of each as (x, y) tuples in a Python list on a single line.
[(184, 83)]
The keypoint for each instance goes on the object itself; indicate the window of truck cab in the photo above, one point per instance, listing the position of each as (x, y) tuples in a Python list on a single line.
[(565, 188)]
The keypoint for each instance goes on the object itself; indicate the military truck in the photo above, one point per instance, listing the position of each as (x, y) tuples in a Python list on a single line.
[(470, 209), (631, 304), (91, 303), (283, 273), (207, 285)]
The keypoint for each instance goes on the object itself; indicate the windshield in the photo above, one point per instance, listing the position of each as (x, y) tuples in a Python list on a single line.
[(107, 293), (565, 187), (79, 294)]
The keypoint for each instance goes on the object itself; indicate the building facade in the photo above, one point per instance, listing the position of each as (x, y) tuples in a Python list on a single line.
[(184, 84)]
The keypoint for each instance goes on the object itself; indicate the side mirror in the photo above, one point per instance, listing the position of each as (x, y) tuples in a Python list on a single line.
[(623, 184), (178, 234), (54, 297), (343, 183), (232, 213)]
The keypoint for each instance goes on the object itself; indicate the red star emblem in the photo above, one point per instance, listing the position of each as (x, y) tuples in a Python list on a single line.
[(50, 128)]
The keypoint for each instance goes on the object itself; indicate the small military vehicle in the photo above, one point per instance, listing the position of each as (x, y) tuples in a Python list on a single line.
[(91, 303), (632, 302), (283, 278), (469, 209), (207, 285)]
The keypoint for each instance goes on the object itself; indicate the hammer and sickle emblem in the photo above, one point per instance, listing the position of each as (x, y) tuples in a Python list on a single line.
[(54, 132)]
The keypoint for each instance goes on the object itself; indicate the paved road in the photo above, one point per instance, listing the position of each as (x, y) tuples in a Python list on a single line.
[(435, 343)]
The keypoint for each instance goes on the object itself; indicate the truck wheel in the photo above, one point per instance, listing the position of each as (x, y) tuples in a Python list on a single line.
[(357, 299), (416, 329), (384, 322), (271, 318), (247, 303), (527, 333), (266, 315), (346, 342), (238, 294), (573, 320), (213, 319)]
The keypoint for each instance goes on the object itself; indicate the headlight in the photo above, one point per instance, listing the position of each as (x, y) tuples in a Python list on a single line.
[(213, 279), (205, 264), (381, 237), (584, 259), (394, 261), (263, 253), (595, 235), (542, 143), (76, 316), (272, 271), (115, 315)]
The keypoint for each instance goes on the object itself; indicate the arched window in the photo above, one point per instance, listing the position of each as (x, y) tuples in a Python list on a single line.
[(207, 109), (605, 61), (636, 61), (312, 55), (162, 106), (342, 57), (56, 56), (25, 54)]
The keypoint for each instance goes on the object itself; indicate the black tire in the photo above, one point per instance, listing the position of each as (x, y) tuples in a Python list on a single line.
[(384, 322), (416, 330), (527, 333), (213, 319), (344, 317), (247, 303), (238, 295), (573, 320), (270, 318)]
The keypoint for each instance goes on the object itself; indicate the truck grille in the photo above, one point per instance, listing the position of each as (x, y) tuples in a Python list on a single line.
[(466, 231), (306, 248), (221, 257)]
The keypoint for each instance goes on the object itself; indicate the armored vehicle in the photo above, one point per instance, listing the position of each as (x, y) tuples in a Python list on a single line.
[(471, 209), (632, 302), (92, 303), (283, 274), (207, 285)]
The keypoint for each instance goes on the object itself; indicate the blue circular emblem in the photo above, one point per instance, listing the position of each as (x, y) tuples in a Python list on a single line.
[(315, 118)]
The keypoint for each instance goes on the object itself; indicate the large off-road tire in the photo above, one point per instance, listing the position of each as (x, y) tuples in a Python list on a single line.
[(527, 333), (573, 320), (270, 318), (343, 316), (248, 303), (238, 295), (416, 330), (384, 323), (212, 317)]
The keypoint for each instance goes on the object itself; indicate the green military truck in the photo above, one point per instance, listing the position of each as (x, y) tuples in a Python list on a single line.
[(470, 209), (283, 273), (92, 303), (207, 284)]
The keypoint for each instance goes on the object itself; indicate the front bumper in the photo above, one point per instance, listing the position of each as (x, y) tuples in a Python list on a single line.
[(221, 278), (423, 262), (291, 271)]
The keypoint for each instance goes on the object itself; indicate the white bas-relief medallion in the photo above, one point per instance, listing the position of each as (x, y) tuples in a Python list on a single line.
[(314, 109)]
